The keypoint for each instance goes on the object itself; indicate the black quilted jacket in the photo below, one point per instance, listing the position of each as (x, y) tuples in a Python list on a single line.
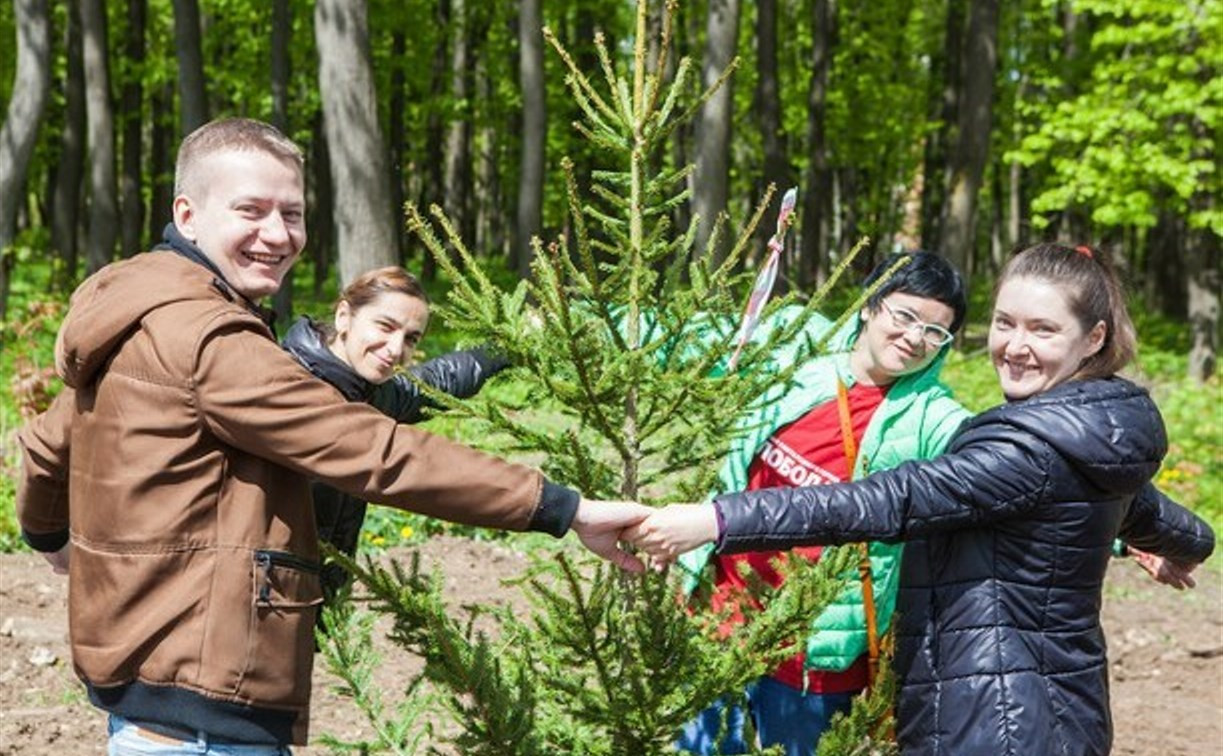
[(462, 373), (999, 648)]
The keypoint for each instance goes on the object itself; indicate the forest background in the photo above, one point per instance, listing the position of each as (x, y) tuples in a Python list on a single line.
[(966, 127)]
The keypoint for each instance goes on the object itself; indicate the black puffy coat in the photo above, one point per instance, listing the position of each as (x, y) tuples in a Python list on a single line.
[(999, 648), (461, 374)]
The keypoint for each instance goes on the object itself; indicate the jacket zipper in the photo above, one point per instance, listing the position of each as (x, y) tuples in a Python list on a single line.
[(267, 559)]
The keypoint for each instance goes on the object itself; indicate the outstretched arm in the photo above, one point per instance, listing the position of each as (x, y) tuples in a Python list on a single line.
[(1167, 540), (460, 374)]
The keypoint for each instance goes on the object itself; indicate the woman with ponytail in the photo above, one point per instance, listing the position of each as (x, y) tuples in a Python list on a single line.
[(1008, 534)]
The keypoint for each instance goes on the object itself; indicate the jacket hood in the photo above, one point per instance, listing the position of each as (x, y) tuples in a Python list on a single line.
[(110, 304), (1109, 429), (305, 341)]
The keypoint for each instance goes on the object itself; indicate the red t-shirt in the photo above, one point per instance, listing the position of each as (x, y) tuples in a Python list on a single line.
[(808, 452)]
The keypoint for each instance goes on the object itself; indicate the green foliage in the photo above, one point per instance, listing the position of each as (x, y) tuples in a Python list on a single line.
[(347, 649), (584, 674), (638, 374), (621, 340), (29, 383), (876, 106), (8, 61), (1192, 472), (1135, 131), (870, 713)]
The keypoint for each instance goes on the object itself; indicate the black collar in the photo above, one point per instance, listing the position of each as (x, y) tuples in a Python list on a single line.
[(175, 242), (306, 342)]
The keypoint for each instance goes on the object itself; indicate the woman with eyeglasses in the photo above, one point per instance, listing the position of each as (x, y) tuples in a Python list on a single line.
[(873, 402), (999, 648)]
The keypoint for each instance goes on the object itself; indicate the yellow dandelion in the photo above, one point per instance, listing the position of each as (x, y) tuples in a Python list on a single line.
[(406, 532)]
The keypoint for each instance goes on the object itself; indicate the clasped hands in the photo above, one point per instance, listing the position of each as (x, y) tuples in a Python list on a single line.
[(660, 535)]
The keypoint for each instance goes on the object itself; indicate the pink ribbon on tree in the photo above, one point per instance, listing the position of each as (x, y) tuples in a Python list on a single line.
[(767, 276)]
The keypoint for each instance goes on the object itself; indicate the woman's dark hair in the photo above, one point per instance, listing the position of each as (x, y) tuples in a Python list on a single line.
[(926, 275), (366, 287), (1093, 292)]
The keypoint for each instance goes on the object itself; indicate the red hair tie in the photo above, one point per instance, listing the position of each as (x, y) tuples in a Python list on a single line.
[(1084, 250)]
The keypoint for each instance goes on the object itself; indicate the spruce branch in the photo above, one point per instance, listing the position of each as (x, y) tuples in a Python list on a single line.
[(736, 252), (346, 646), (700, 101), (868, 728), (582, 236), (579, 80), (630, 351), (664, 49), (492, 697)]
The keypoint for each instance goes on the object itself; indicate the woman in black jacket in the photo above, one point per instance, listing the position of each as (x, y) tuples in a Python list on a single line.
[(378, 321), (999, 648)]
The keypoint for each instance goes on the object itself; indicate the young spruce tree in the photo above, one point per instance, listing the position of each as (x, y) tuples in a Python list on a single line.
[(622, 337)]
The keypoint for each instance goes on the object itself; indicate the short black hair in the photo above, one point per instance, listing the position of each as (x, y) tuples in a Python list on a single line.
[(926, 275)]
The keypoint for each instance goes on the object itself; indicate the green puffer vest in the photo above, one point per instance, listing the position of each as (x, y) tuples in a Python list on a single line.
[(916, 420)]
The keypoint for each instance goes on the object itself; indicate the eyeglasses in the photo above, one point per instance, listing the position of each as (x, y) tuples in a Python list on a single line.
[(934, 335)]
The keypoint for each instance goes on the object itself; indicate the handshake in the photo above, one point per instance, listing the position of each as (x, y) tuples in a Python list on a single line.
[(660, 535)]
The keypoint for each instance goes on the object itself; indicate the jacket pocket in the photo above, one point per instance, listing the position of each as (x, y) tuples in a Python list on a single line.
[(285, 597)]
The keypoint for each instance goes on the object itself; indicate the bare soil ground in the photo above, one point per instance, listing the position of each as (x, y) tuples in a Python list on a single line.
[(1166, 653)]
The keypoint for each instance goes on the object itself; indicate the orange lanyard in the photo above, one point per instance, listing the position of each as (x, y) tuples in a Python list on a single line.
[(864, 563), (847, 428)]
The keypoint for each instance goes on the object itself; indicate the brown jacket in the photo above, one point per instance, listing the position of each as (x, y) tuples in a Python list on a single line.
[(179, 458)]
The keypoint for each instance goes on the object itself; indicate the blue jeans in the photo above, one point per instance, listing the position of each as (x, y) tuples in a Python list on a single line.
[(781, 715), (129, 739)]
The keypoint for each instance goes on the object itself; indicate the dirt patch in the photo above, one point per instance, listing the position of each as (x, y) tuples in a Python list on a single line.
[(1166, 654)]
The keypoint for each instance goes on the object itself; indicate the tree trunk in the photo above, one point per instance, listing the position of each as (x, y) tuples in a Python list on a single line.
[(364, 222), (944, 109), (193, 96), (772, 131), (817, 199), (282, 60), (161, 160), (972, 141), (282, 32), (131, 196), (18, 135), (1016, 230), (103, 210), (712, 175), (66, 202), (534, 133), (396, 133), (1202, 251), (997, 220), (320, 208), (457, 180), (490, 218), (1166, 268), (435, 187)]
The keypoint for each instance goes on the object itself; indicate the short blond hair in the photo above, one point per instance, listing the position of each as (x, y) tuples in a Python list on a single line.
[(238, 134)]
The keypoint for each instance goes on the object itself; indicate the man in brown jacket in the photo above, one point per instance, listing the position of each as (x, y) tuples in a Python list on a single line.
[(176, 464)]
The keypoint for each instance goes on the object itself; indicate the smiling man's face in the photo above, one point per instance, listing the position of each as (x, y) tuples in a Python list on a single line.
[(245, 210)]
